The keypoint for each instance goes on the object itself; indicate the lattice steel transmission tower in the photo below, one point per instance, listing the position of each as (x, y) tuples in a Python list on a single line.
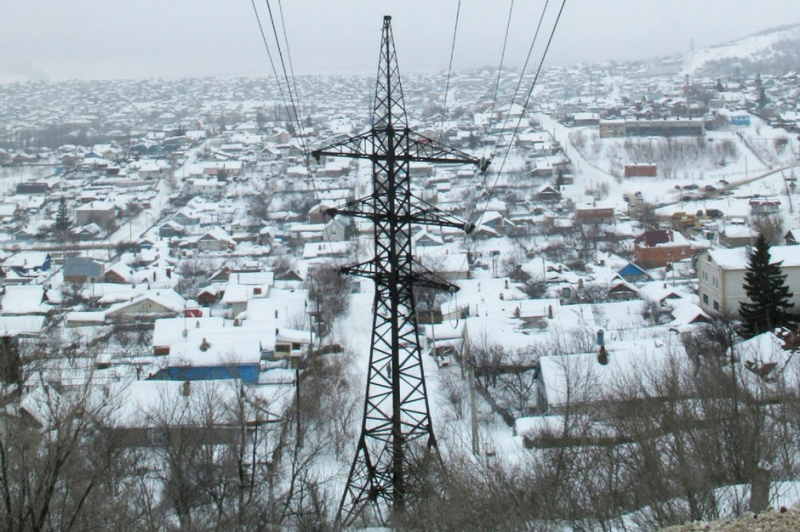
[(397, 426)]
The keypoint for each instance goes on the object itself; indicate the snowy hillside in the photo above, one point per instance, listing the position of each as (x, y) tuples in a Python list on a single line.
[(765, 50)]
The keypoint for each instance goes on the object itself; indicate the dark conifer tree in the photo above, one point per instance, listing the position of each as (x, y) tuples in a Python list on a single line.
[(10, 361), (769, 303), (62, 216)]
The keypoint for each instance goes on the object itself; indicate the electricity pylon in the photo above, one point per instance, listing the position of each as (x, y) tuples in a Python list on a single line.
[(396, 427)]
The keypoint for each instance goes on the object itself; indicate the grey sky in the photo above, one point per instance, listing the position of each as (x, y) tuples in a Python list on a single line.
[(45, 39)]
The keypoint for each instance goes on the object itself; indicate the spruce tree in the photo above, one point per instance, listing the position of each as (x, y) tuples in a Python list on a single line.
[(62, 216), (765, 285), (10, 361)]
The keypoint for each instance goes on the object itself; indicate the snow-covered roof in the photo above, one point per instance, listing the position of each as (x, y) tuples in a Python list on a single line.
[(166, 298), (737, 259), (281, 304), (24, 299), (157, 403), (219, 346), (169, 330), (313, 250), (581, 378), (14, 325)]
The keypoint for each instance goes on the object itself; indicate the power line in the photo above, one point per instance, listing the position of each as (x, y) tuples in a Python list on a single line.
[(449, 69), (525, 66), (527, 101), (292, 99), (499, 70), (295, 106), (516, 90), (271, 61), (289, 55)]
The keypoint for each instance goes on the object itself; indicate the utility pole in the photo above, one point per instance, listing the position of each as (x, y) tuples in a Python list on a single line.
[(473, 406), (396, 428)]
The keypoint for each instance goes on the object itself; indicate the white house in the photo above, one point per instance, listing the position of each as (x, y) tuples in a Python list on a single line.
[(210, 188), (721, 276)]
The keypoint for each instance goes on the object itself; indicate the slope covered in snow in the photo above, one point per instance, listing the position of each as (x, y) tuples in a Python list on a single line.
[(764, 50)]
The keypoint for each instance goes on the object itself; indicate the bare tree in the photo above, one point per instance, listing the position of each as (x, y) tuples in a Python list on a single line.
[(54, 459), (771, 226), (487, 355), (329, 293)]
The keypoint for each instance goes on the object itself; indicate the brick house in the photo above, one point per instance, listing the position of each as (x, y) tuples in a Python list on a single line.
[(654, 249)]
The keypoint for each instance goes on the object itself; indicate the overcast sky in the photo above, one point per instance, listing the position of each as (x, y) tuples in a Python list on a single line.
[(55, 40)]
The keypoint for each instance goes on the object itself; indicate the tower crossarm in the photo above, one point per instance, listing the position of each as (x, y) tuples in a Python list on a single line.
[(366, 269), (424, 149), (425, 215), (358, 147), (417, 148), (421, 276), (426, 278)]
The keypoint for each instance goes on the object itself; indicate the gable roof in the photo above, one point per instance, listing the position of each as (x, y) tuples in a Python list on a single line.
[(24, 299), (632, 270), (82, 267)]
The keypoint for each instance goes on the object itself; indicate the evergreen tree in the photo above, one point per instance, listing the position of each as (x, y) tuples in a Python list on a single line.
[(762, 94), (62, 217), (765, 285), (10, 361)]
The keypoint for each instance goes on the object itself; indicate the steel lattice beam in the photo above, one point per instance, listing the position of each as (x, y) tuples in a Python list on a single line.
[(396, 426)]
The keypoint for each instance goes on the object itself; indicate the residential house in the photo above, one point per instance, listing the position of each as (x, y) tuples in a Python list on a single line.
[(657, 248), (217, 353), (26, 263), (144, 404), (168, 331), (119, 273), (318, 214), (720, 274), (148, 307), (81, 270), (335, 230), (186, 216), (579, 382), (594, 213), (21, 300), (236, 296), (32, 187), (207, 188), (100, 212), (215, 239), (170, 229), (622, 290), (210, 295), (633, 273), (548, 193), (22, 326), (737, 235)]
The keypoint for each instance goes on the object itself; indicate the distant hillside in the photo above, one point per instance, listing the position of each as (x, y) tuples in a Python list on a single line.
[(774, 51)]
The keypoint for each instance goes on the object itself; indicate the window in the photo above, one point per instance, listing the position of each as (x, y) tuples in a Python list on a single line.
[(716, 305), (156, 436), (705, 299)]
